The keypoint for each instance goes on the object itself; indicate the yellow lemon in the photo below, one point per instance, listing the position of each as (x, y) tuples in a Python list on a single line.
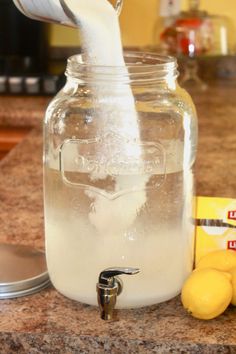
[(207, 293), (233, 273), (222, 260)]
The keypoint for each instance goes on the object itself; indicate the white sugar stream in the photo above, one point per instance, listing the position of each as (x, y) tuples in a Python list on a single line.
[(101, 43)]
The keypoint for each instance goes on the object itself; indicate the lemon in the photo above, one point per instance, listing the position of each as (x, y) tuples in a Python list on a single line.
[(207, 293), (222, 260), (233, 273)]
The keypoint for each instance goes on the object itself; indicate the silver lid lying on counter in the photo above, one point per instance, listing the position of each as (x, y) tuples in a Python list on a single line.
[(23, 271)]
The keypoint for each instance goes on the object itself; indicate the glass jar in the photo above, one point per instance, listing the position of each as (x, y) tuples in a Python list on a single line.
[(197, 33), (119, 150)]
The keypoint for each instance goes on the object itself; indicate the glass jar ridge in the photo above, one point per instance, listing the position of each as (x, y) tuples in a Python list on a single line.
[(139, 68)]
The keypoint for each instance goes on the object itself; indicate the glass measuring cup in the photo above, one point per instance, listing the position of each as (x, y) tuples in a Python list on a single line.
[(54, 11)]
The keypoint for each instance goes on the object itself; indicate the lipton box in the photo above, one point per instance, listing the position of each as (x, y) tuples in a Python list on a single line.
[(216, 225)]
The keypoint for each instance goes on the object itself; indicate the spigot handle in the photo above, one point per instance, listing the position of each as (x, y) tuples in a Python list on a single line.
[(109, 287), (107, 276)]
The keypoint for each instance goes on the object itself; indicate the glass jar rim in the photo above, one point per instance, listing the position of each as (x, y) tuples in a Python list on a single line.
[(149, 59), (139, 65)]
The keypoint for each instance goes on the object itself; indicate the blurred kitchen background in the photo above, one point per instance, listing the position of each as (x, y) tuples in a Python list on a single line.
[(33, 55)]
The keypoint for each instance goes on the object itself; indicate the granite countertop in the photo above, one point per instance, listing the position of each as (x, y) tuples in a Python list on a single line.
[(47, 322), (22, 111)]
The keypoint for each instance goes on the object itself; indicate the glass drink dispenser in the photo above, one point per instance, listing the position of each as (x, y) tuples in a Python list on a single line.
[(119, 151), (118, 177)]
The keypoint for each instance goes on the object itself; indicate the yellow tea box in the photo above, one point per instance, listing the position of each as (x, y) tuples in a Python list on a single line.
[(216, 225)]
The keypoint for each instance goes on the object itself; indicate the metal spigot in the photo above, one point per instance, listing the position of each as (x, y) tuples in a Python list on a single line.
[(109, 286)]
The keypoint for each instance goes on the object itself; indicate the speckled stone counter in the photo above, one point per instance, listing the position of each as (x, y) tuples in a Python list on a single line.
[(47, 322), (22, 111)]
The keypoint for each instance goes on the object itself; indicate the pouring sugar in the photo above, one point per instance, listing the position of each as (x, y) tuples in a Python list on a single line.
[(101, 43)]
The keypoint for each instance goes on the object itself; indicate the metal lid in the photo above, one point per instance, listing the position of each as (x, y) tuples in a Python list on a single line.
[(23, 271)]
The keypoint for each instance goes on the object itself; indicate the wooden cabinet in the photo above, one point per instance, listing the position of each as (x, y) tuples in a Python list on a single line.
[(11, 136)]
